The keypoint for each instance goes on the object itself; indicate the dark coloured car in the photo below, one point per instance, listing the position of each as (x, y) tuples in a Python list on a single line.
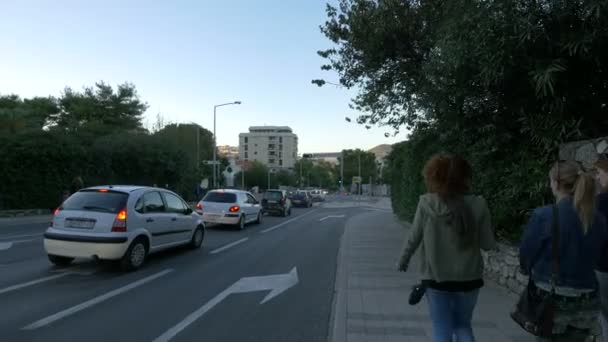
[(302, 199), (276, 202)]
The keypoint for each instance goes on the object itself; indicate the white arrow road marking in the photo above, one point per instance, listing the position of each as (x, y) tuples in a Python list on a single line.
[(232, 244), (33, 282), (286, 222), (277, 284), (74, 309), (332, 216)]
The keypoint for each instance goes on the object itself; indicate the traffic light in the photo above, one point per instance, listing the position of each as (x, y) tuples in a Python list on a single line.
[(307, 155)]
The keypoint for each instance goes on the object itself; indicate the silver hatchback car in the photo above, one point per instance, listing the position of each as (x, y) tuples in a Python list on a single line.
[(231, 207), (123, 223)]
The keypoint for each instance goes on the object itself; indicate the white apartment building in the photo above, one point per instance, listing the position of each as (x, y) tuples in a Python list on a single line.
[(274, 146)]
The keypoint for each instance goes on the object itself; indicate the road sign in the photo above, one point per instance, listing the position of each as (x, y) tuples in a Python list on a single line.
[(356, 179)]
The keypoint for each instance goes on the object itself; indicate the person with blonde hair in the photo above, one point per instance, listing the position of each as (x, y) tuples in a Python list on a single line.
[(451, 227), (581, 237), (601, 167)]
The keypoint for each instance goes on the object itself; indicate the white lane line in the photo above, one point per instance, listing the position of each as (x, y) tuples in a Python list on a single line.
[(5, 245), (8, 237), (232, 244), (331, 216), (286, 222), (74, 309), (33, 282)]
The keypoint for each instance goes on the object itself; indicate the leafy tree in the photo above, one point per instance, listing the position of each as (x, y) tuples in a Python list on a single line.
[(256, 174), (19, 115), (100, 109), (500, 82), (352, 160)]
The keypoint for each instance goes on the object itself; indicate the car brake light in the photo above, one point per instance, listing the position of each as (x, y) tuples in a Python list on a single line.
[(234, 209), (103, 190), (120, 222), (199, 206), (56, 211)]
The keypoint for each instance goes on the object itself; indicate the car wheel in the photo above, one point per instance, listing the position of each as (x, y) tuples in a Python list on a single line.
[(60, 260), (241, 224), (135, 255), (197, 238), (259, 219)]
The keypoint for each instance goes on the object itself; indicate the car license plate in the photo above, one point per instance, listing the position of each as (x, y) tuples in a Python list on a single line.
[(79, 223)]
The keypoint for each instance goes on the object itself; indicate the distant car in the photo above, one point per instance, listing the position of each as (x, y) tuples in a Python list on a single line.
[(231, 207), (123, 223), (317, 195), (302, 198), (276, 202)]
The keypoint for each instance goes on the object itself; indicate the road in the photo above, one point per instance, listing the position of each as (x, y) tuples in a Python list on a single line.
[(269, 282)]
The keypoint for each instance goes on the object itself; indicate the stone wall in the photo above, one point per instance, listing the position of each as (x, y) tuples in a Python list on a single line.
[(502, 266), (585, 151)]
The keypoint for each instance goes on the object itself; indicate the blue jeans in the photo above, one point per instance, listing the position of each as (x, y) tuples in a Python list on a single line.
[(451, 313)]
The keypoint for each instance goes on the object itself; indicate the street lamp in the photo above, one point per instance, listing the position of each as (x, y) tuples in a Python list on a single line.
[(215, 168)]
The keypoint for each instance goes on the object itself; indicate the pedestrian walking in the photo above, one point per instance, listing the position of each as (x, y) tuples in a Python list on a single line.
[(76, 185), (451, 226), (561, 265), (601, 167)]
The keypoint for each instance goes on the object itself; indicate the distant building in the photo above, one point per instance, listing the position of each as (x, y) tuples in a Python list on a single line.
[(274, 146), (230, 152), (330, 157)]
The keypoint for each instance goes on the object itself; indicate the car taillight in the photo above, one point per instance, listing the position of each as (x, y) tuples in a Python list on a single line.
[(120, 222), (282, 200), (234, 209), (199, 206), (54, 214)]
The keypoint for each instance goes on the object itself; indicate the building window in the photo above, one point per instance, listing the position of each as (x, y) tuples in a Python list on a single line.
[(255, 152), (271, 146), (272, 153), (281, 147), (280, 162), (246, 147), (246, 140), (246, 155), (271, 138), (281, 140), (280, 154), (271, 161)]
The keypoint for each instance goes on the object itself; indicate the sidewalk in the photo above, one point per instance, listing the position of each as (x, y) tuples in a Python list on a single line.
[(371, 300)]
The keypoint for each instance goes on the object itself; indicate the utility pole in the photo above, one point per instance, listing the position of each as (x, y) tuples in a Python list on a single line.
[(198, 153), (360, 180), (342, 171)]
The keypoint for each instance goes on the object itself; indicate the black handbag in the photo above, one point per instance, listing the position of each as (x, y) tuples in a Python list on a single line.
[(535, 309)]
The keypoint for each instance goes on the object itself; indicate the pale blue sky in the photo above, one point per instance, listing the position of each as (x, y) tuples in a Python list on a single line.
[(186, 56)]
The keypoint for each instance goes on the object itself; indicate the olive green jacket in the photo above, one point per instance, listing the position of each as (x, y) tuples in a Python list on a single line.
[(442, 257)]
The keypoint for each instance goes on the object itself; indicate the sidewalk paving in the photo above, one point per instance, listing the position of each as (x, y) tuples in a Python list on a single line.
[(371, 300)]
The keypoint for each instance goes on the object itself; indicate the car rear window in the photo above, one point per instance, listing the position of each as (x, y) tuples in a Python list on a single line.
[(220, 197), (107, 202), (273, 195)]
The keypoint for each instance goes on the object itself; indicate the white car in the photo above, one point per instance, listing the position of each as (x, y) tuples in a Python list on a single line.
[(317, 195), (231, 207), (123, 223)]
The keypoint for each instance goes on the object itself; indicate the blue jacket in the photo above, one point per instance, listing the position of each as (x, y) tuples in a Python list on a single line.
[(579, 252), (602, 207)]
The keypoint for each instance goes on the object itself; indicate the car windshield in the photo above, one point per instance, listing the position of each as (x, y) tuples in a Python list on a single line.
[(273, 195), (109, 201), (220, 197)]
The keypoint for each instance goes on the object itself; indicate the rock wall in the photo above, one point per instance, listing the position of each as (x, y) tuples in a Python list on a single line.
[(585, 151), (502, 266)]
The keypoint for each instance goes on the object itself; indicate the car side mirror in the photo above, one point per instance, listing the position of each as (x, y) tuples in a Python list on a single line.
[(188, 211)]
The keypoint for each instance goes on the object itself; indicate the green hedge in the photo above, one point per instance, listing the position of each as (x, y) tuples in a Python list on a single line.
[(37, 167)]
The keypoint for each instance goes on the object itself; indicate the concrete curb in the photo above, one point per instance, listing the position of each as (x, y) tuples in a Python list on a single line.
[(337, 325), (24, 212)]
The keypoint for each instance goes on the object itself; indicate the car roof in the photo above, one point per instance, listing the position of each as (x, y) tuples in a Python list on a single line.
[(233, 191), (122, 188)]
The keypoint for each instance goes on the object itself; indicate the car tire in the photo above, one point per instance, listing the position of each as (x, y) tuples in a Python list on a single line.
[(135, 256), (259, 219), (60, 261), (197, 238), (241, 224)]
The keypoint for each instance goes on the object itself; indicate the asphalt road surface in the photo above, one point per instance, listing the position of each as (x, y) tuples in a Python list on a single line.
[(269, 282)]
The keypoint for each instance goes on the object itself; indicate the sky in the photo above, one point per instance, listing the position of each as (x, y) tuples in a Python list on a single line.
[(184, 57)]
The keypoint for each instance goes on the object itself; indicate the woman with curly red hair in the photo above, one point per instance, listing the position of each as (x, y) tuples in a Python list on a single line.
[(451, 226)]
